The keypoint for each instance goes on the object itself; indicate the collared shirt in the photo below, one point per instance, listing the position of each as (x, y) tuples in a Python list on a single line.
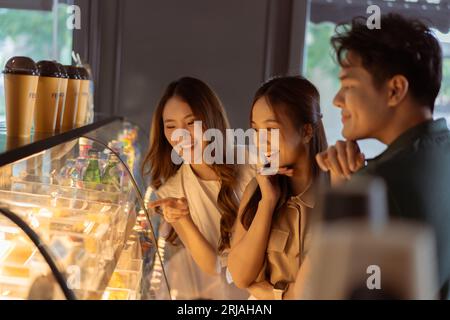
[(416, 169), (289, 239)]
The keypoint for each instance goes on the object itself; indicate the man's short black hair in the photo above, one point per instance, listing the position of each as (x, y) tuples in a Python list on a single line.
[(401, 46)]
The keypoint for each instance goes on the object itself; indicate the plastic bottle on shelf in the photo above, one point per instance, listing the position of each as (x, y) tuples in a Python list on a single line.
[(128, 151), (118, 147), (92, 176), (112, 174), (65, 174), (78, 175), (84, 145), (136, 148), (126, 137)]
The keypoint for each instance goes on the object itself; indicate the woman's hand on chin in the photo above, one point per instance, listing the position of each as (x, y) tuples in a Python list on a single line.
[(268, 184)]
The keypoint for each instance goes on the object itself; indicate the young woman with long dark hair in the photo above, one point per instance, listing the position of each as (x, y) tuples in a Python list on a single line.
[(271, 237), (199, 200)]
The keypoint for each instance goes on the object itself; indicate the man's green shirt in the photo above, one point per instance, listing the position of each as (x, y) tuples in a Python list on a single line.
[(416, 169)]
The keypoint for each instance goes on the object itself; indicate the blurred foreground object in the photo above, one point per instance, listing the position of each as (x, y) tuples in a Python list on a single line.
[(359, 254)]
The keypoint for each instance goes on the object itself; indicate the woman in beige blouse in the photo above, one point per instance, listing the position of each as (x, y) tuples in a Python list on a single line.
[(198, 199), (271, 237)]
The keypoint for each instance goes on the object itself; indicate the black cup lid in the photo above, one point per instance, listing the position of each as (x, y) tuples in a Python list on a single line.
[(48, 69), (21, 65), (62, 70), (72, 72), (84, 75)]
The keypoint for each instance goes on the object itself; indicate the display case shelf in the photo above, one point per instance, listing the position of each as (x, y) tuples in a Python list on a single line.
[(15, 148), (80, 191)]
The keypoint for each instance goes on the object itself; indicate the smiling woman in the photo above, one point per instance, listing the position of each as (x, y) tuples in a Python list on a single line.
[(272, 231), (198, 201)]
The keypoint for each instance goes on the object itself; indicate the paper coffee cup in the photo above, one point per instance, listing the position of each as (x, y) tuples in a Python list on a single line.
[(47, 99), (62, 96), (83, 97), (72, 94), (16, 142), (21, 80)]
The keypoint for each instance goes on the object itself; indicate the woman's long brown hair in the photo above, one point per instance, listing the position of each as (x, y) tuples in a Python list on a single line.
[(299, 101), (205, 106)]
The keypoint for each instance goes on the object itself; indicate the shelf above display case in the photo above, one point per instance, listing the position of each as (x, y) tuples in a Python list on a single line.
[(13, 149)]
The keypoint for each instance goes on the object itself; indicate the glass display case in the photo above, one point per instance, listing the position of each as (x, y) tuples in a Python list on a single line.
[(73, 223)]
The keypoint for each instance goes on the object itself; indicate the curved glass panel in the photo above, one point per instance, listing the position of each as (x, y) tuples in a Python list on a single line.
[(24, 274), (131, 141)]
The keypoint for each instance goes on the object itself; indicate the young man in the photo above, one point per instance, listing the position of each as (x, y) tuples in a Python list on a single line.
[(390, 78)]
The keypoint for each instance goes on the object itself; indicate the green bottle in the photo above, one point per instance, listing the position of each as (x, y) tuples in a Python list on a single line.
[(92, 174), (112, 174)]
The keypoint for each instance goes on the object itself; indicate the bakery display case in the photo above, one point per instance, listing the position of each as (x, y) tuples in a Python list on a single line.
[(73, 223)]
